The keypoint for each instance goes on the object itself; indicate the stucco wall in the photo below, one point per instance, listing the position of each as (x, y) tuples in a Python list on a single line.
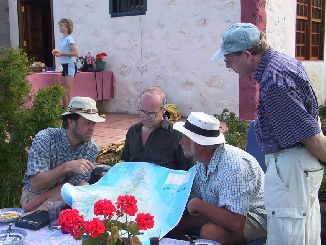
[(4, 23), (13, 20), (281, 35), (170, 47)]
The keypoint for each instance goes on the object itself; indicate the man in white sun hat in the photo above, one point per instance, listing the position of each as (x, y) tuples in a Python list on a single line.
[(61, 155), (227, 199)]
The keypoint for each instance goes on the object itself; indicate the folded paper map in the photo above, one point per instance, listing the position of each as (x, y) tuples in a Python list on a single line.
[(160, 191)]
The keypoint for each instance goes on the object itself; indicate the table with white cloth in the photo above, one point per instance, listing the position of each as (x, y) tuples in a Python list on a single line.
[(56, 237)]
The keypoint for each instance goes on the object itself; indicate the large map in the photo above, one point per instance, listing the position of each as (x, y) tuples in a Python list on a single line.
[(159, 191)]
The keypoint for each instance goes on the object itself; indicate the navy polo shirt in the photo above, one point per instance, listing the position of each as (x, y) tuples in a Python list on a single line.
[(288, 108)]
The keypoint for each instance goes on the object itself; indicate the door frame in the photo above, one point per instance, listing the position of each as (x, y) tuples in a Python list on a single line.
[(22, 17)]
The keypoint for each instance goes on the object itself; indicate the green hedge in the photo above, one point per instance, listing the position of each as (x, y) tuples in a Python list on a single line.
[(19, 124)]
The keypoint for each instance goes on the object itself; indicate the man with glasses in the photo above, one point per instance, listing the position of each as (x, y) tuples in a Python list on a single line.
[(153, 139), (61, 155), (288, 132)]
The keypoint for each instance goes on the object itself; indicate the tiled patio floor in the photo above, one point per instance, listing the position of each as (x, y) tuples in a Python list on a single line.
[(114, 129)]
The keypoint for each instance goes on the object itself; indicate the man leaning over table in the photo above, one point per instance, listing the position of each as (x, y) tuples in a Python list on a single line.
[(227, 198), (288, 131), (61, 155)]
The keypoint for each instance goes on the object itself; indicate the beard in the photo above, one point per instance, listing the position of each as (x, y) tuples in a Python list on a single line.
[(82, 137)]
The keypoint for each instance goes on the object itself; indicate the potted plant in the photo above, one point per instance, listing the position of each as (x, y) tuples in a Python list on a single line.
[(99, 62), (114, 226)]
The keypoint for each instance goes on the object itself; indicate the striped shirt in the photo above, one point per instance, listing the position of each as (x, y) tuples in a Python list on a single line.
[(50, 149), (234, 181), (288, 108)]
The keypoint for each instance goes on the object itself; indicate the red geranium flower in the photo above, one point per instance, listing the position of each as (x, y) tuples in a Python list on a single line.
[(71, 221), (119, 213), (109, 229), (95, 227), (128, 204), (100, 56), (104, 207), (145, 221)]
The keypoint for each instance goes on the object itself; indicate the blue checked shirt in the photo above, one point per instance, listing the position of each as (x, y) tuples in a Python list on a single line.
[(288, 108), (234, 181), (50, 149)]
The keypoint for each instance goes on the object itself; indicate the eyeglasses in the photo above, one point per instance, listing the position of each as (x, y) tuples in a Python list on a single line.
[(150, 114), (227, 60)]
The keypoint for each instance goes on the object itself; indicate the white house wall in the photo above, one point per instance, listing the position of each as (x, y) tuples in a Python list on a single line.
[(280, 29), (13, 21), (169, 47)]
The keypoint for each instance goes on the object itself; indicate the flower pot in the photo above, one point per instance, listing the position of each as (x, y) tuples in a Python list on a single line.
[(100, 65)]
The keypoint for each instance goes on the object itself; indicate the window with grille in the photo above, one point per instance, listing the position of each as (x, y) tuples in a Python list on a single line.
[(127, 7), (310, 29)]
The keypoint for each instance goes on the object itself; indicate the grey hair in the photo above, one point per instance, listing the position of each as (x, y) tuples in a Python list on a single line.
[(260, 46), (213, 147), (155, 90)]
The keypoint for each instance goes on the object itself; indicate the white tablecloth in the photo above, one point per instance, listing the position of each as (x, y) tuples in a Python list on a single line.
[(46, 236)]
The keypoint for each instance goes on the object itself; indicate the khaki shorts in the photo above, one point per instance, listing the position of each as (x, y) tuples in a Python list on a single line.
[(27, 196), (292, 181), (253, 230)]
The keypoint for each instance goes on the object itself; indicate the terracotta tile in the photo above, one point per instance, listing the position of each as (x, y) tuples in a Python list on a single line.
[(114, 129)]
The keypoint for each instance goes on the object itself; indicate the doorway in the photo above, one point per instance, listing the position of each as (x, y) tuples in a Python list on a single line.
[(36, 36)]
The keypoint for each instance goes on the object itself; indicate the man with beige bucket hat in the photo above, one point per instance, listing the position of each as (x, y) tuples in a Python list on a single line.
[(61, 155), (227, 200)]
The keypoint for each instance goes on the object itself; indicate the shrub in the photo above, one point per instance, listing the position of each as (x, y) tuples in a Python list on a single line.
[(18, 124), (237, 128)]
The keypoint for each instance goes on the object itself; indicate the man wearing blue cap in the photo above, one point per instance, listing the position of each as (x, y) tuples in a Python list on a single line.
[(288, 131)]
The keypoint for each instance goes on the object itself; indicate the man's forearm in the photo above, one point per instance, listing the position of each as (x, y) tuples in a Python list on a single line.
[(221, 216), (316, 145), (47, 179), (38, 200)]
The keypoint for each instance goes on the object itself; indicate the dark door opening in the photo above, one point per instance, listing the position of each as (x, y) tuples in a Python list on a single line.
[(36, 29)]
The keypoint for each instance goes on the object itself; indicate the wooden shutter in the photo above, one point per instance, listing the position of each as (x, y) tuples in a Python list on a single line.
[(310, 30)]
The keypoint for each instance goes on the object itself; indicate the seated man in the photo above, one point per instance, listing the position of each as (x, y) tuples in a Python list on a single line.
[(61, 155), (227, 198), (153, 139)]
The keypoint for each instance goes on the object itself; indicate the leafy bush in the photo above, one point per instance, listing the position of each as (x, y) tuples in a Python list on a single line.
[(19, 124), (237, 128)]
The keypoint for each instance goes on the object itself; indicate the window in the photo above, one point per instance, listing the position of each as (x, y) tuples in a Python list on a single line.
[(310, 29), (127, 7)]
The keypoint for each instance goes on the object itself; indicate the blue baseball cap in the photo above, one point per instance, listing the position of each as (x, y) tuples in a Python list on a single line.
[(238, 37)]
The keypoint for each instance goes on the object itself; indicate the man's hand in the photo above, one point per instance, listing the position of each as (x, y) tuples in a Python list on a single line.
[(79, 166), (193, 205), (49, 178)]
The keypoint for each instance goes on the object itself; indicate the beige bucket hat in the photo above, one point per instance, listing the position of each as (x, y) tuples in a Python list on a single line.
[(84, 106)]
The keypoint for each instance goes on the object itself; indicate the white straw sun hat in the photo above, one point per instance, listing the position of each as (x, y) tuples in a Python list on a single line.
[(201, 128)]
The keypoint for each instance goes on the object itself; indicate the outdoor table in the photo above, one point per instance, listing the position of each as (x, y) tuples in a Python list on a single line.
[(97, 85), (56, 237)]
